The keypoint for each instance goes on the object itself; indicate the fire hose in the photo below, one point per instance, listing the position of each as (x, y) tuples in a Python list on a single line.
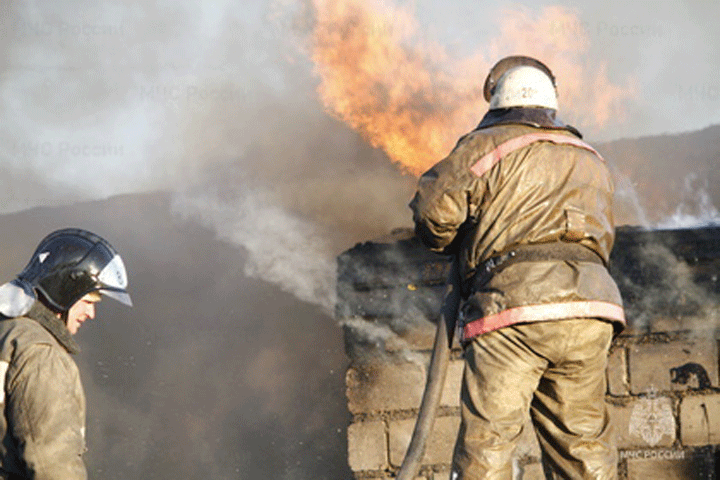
[(435, 376)]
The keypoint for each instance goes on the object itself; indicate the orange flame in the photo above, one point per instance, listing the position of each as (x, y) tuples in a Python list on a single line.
[(408, 96)]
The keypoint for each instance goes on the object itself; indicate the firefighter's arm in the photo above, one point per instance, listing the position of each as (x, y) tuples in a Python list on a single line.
[(46, 415), (443, 201)]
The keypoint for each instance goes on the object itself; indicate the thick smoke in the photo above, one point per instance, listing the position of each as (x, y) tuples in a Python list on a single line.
[(696, 207), (282, 249), (230, 365), (211, 374)]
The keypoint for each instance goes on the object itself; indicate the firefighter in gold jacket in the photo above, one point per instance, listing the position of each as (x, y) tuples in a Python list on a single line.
[(43, 425), (526, 207)]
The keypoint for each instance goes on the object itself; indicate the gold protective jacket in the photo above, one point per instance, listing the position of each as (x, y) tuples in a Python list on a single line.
[(43, 426), (510, 185)]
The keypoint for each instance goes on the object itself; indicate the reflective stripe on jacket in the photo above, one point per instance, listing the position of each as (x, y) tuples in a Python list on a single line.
[(510, 185)]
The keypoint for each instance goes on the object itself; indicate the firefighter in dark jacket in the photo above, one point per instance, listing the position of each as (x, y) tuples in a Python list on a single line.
[(526, 207), (43, 426)]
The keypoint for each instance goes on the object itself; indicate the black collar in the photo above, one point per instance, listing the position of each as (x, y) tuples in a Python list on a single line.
[(533, 116)]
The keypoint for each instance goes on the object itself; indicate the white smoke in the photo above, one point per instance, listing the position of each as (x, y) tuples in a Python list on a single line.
[(628, 207), (282, 248), (107, 98), (382, 341), (696, 208), (131, 90), (98, 98)]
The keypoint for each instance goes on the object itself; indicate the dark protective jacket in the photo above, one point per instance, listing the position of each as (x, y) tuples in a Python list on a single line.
[(43, 426), (506, 185)]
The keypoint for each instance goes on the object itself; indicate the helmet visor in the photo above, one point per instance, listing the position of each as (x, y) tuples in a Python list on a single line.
[(119, 295), (113, 281)]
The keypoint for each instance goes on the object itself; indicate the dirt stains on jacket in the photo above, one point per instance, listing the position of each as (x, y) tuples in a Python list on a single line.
[(43, 428)]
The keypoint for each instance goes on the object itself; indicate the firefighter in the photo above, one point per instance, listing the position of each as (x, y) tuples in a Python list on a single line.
[(43, 426), (525, 206)]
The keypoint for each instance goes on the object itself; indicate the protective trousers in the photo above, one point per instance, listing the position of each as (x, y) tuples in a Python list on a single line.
[(553, 370)]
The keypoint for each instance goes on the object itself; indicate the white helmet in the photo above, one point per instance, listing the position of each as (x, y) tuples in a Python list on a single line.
[(520, 81)]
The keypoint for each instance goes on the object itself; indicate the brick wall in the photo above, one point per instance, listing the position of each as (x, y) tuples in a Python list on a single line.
[(663, 380)]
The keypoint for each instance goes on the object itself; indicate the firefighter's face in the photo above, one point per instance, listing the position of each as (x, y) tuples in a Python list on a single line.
[(83, 309)]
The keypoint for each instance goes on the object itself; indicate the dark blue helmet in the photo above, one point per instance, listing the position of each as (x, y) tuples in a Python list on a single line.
[(70, 263)]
